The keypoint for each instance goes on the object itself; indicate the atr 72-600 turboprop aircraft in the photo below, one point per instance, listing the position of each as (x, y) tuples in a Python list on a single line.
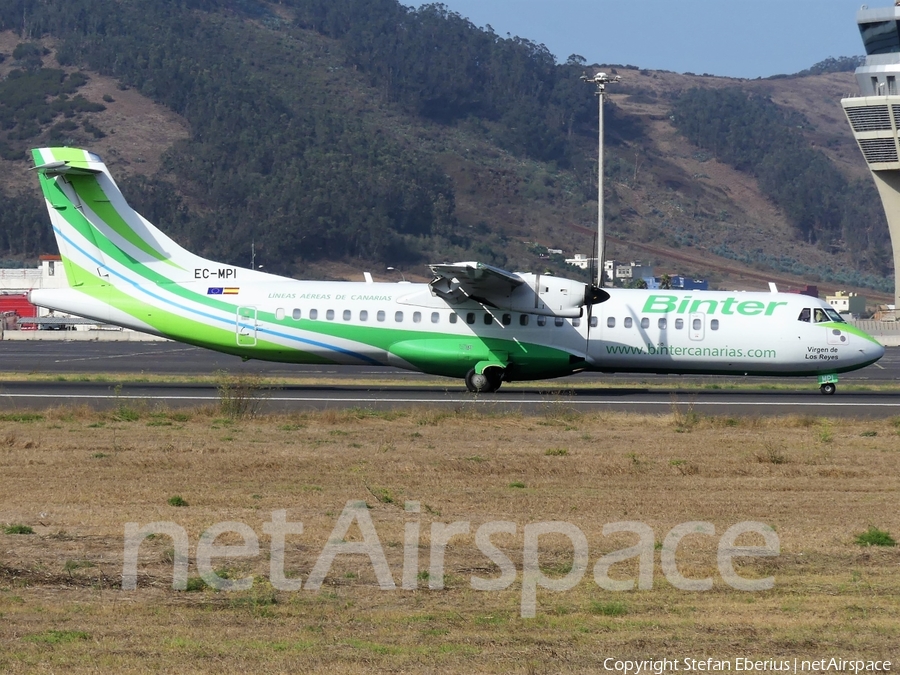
[(471, 321)]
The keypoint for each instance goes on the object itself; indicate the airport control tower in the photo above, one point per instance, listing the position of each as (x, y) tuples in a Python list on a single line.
[(875, 115)]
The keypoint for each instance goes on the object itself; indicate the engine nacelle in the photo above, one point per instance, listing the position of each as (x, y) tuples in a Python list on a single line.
[(549, 295), (527, 293)]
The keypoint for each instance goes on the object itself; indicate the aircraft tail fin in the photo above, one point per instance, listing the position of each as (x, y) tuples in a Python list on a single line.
[(101, 239)]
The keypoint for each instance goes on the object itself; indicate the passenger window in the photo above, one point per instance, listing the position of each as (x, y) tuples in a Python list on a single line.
[(347, 315), (470, 318), (398, 317), (313, 314), (542, 321), (594, 321), (611, 322), (507, 319), (380, 315), (559, 321), (329, 315), (279, 313), (714, 324), (435, 317), (679, 324), (453, 318), (627, 322), (488, 319), (697, 324), (576, 322), (523, 319), (296, 314), (417, 317), (645, 322), (363, 315), (662, 324)]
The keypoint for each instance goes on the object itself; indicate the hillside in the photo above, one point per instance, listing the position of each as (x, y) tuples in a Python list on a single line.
[(293, 126)]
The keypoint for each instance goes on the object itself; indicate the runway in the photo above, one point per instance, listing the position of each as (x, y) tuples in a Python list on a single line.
[(633, 393)]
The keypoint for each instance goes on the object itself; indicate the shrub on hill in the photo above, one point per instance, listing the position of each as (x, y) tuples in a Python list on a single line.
[(753, 134)]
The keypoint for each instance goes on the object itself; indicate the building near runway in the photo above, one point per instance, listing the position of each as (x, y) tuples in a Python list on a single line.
[(20, 320), (874, 116)]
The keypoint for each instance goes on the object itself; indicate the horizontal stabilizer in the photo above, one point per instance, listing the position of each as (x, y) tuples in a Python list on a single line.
[(65, 167)]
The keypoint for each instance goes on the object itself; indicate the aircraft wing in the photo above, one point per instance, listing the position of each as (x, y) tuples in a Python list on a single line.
[(484, 283)]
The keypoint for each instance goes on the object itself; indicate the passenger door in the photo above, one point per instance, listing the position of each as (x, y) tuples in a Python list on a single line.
[(245, 326)]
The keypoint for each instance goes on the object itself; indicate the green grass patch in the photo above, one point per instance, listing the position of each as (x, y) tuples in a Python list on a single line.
[(21, 417), (74, 565), (56, 637), (608, 608), (177, 501), (17, 529), (875, 537)]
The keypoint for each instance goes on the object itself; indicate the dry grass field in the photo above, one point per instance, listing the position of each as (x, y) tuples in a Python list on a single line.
[(75, 477)]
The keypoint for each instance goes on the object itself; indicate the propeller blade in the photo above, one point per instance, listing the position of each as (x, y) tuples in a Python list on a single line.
[(592, 295)]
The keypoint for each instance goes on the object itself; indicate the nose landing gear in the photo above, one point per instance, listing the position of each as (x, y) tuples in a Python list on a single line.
[(828, 384)]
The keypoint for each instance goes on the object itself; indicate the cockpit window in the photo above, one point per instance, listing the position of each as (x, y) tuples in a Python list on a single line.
[(834, 315), (819, 315), (804, 315)]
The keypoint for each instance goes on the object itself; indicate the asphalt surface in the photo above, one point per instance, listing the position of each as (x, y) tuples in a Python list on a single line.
[(627, 393)]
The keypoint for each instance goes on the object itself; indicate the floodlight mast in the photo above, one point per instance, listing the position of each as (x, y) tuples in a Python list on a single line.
[(600, 80)]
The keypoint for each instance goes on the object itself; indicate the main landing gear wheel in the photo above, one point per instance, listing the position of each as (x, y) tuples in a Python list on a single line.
[(484, 383), (828, 388)]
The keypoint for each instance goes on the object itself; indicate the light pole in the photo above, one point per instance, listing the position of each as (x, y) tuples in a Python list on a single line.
[(394, 269), (600, 80)]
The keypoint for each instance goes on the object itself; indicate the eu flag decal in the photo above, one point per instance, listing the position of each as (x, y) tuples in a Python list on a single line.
[(215, 291)]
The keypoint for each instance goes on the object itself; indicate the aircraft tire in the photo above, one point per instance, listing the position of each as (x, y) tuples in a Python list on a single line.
[(478, 383), (828, 388)]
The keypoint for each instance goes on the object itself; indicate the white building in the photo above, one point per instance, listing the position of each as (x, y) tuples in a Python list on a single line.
[(634, 270), (50, 274), (581, 261), (847, 303)]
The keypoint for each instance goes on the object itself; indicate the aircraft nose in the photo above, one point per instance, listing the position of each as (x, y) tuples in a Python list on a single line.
[(873, 351)]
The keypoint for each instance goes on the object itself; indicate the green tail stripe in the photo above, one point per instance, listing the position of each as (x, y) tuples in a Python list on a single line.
[(90, 193), (109, 250)]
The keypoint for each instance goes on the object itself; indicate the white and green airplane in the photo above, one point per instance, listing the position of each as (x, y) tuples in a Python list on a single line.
[(472, 321)]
